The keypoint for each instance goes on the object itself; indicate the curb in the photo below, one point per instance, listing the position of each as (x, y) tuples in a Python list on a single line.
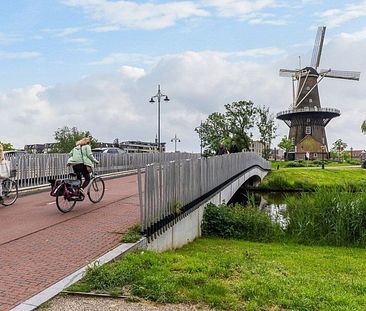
[(55, 289)]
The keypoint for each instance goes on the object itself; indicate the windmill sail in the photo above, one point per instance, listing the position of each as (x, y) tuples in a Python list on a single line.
[(339, 74), (288, 72), (318, 46)]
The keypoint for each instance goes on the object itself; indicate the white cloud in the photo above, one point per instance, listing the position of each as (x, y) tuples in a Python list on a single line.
[(130, 58), (129, 14), (241, 8), (19, 55), (132, 72), (337, 17), (117, 104), (6, 39), (67, 31), (118, 58)]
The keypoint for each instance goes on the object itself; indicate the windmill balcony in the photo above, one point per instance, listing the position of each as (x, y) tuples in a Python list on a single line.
[(326, 112)]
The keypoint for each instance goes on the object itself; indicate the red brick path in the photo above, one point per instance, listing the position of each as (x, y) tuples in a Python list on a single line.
[(39, 245)]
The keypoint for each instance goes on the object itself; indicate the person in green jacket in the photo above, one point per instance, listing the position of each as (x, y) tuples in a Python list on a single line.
[(82, 160)]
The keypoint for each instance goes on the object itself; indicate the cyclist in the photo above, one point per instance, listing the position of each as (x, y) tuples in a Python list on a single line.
[(4, 171), (82, 160)]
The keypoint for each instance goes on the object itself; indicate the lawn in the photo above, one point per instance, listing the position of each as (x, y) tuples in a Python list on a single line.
[(240, 275), (312, 178), (283, 164)]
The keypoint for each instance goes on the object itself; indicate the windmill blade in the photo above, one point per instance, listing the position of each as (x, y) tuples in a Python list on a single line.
[(339, 74), (318, 46), (288, 72)]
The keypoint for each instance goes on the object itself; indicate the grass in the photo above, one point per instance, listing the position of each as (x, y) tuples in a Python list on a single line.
[(132, 235), (317, 163), (239, 275), (353, 179)]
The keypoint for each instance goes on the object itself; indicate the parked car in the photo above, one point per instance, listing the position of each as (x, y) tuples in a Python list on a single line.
[(108, 150), (14, 152)]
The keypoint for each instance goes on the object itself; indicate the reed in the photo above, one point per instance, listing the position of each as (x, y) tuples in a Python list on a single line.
[(327, 217)]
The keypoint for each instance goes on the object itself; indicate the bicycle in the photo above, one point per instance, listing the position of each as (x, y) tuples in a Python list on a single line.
[(67, 191), (10, 189)]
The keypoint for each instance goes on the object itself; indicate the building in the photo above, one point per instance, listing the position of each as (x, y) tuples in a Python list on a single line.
[(39, 148), (140, 146), (256, 147)]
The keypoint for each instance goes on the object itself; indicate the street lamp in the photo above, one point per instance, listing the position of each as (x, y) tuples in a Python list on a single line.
[(159, 95), (176, 140), (323, 149)]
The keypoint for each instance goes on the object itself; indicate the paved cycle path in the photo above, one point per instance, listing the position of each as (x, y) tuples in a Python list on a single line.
[(39, 245)]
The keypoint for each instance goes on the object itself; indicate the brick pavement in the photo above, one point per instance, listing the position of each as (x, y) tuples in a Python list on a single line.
[(44, 245)]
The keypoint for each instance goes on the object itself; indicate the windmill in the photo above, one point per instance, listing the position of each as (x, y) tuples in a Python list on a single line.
[(306, 118)]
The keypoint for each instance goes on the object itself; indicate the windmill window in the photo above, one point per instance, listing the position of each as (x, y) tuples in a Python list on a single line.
[(293, 140), (308, 120), (308, 130), (310, 100), (308, 88)]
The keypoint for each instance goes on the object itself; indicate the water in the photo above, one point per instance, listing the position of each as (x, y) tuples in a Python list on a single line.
[(273, 203)]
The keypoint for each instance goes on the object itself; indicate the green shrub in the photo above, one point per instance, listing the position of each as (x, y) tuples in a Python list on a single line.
[(238, 222), (295, 164)]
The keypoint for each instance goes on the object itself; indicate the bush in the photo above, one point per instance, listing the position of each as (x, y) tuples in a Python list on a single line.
[(238, 222)]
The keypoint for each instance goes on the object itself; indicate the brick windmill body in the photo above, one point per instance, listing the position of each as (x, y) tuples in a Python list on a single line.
[(306, 118)]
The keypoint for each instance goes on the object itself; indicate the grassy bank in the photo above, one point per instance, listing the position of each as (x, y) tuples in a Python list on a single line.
[(239, 275), (315, 163), (353, 179)]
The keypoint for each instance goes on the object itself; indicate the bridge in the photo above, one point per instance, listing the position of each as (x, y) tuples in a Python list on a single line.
[(42, 251), (173, 195)]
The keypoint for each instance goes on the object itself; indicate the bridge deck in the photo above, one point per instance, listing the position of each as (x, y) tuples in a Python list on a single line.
[(40, 246)]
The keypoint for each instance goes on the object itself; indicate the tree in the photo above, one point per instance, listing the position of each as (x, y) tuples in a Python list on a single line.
[(267, 129), (339, 146), (286, 145), (240, 117), (7, 146), (67, 137), (234, 127), (363, 127), (212, 132)]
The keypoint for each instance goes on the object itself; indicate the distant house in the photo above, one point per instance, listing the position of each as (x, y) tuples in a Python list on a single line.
[(141, 146), (39, 148), (256, 147)]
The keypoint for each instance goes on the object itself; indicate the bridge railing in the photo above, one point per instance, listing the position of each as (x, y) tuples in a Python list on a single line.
[(169, 190), (36, 169)]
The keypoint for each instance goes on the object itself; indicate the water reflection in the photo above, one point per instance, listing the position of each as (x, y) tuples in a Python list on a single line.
[(273, 203)]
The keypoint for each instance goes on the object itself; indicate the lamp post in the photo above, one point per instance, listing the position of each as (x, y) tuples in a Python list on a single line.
[(323, 149), (351, 153), (159, 95), (176, 140)]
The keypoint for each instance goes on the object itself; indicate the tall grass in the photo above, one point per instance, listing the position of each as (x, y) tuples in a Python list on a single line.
[(327, 217), (236, 222)]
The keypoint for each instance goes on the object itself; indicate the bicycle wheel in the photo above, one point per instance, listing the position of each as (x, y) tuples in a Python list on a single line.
[(10, 192), (64, 205), (96, 190)]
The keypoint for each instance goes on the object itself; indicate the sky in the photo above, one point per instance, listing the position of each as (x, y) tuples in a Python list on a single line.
[(95, 64)]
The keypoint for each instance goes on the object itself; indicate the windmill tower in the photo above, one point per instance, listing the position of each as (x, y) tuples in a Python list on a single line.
[(306, 118)]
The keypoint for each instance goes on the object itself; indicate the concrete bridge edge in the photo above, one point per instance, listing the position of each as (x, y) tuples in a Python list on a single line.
[(189, 227)]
